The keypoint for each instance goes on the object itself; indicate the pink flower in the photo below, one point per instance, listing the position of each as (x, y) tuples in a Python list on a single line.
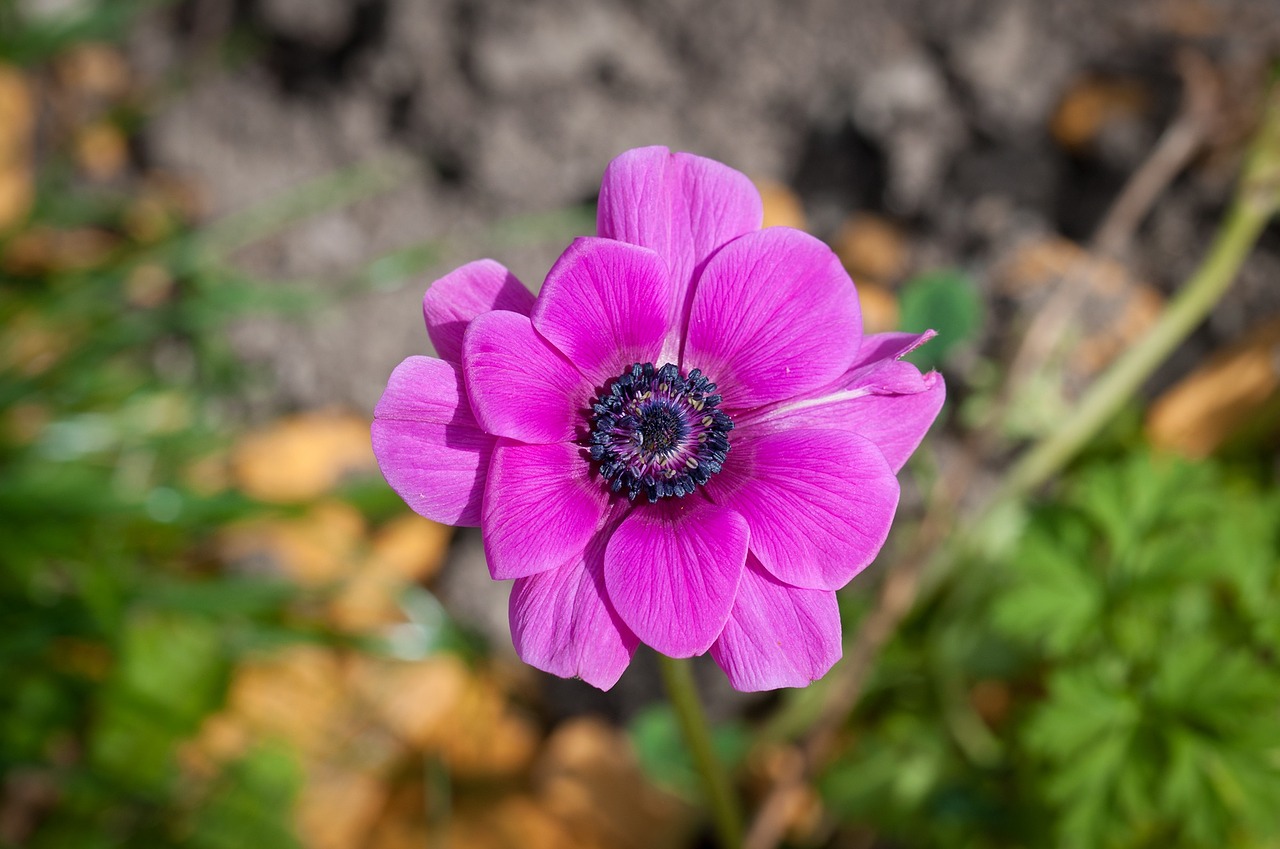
[(684, 440)]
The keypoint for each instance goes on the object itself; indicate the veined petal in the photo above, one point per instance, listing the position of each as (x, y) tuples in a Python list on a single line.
[(682, 206), (895, 421), (455, 299), (605, 305), (541, 506), (881, 398), (672, 571), (777, 635), (520, 387), (818, 502), (774, 315), (889, 346), (427, 443), (562, 621)]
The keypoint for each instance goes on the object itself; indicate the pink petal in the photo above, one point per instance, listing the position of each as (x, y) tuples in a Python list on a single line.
[(521, 387), (879, 366), (672, 570), (455, 299), (605, 305), (896, 421), (428, 445), (819, 502), (683, 206), (880, 397), (774, 315), (562, 622), (541, 506), (777, 635), (890, 346)]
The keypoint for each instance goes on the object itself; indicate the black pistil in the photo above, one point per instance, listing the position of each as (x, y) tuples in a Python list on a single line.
[(658, 433)]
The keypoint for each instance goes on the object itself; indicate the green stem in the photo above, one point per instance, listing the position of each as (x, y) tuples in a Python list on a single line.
[(1253, 205), (677, 675)]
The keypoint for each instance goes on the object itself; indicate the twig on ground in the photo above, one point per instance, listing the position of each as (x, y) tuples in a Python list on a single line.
[(1197, 116)]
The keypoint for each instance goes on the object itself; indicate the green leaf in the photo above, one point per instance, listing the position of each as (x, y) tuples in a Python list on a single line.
[(946, 301), (251, 804), (171, 674), (664, 755)]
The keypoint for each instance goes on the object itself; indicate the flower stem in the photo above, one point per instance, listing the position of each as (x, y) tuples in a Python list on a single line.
[(1256, 200), (678, 677)]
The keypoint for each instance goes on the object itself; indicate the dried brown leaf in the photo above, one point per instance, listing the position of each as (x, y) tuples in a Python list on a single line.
[(872, 247), (782, 206), (1090, 104), (93, 70), (1221, 399), (589, 779), (318, 548), (303, 457)]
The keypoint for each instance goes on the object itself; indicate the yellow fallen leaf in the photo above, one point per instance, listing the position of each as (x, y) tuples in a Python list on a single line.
[(337, 808), (1238, 388), (222, 738), (402, 823), (410, 547), (17, 193), (315, 549), (416, 701), (93, 69), (488, 738), (879, 308), (303, 457), (872, 247), (406, 550), (589, 779), (45, 250), (782, 206), (17, 112), (101, 150), (297, 695), (17, 128), (1090, 104), (516, 821)]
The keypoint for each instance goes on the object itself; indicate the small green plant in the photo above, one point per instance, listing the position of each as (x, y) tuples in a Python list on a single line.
[(1113, 683)]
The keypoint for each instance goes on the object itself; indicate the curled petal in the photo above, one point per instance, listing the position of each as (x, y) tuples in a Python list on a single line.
[(455, 299), (777, 635), (682, 206), (819, 502), (427, 443), (605, 305), (672, 571), (774, 315), (520, 387), (895, 422), (562, 621), (880, 398), (879, 347), (541, 507)]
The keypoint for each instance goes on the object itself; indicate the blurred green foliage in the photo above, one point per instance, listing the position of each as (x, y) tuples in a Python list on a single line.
[(119, 636), (1114, 682), (946, 301)]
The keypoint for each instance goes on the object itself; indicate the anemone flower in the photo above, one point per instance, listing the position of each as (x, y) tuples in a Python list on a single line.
[(683, 440)]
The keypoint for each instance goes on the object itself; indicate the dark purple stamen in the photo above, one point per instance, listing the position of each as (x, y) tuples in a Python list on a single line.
[(657, 433)]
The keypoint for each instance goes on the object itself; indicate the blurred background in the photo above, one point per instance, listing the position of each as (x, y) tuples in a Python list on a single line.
[(219, 627)]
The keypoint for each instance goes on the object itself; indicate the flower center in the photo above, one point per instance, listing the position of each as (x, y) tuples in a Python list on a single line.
[(657, 433)]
